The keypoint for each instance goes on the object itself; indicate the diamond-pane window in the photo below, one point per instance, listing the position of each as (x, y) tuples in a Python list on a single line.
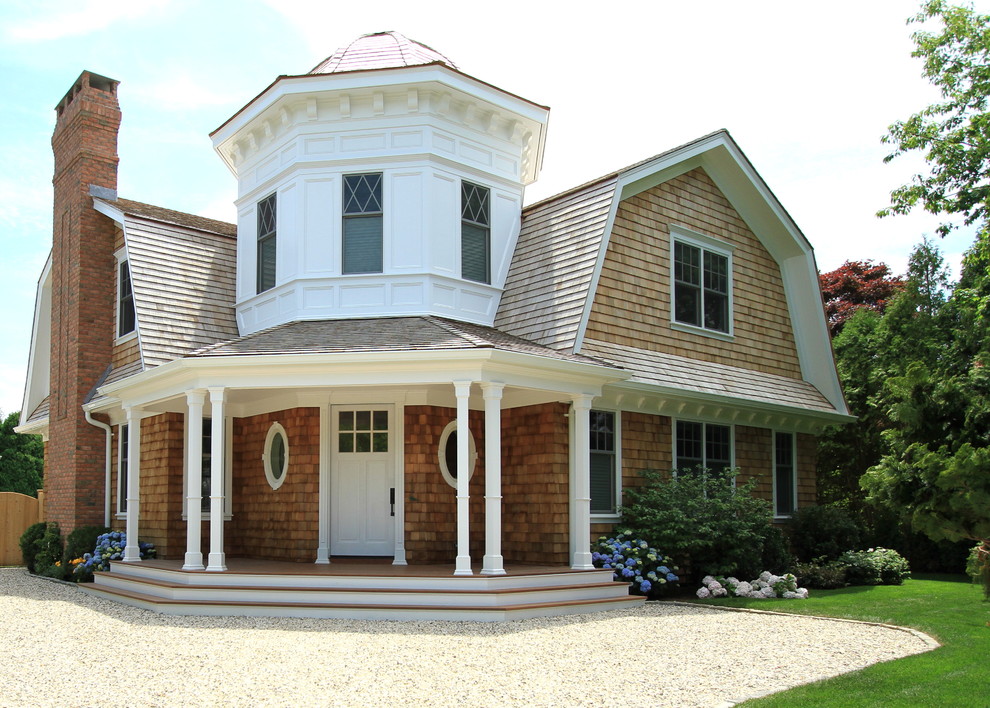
[(266, 243), (475, 233), (363, 194), (363, 224)]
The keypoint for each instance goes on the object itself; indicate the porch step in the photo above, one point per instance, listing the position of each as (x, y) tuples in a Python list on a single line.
[(347, 593), (363, 611)]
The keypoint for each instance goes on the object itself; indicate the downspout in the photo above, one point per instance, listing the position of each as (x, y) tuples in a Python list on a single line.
[(106, 491)]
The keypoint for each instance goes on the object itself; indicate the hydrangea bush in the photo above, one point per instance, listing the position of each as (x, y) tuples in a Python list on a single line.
[(634, 561), (875, 566), (767, 586), (109, 547)]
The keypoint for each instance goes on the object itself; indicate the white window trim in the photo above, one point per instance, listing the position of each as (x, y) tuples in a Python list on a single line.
[(442, 456), (120, 512), (794, 471), (273, 481), (615, 515), (120, 257), (673, 439), (707, 243), (227, 470)]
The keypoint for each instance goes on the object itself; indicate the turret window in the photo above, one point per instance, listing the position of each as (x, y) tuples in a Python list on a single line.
[(363, 220), (266, 243), (475, 233)]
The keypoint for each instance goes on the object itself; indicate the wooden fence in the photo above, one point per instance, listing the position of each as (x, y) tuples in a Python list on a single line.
[(17, 512)]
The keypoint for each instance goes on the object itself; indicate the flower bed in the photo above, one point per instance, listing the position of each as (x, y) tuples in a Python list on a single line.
[(634, 561), (766, 586)]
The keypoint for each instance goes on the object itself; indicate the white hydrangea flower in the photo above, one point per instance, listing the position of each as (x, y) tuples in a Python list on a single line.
[(703, 593), (743, 589), (707, 580)]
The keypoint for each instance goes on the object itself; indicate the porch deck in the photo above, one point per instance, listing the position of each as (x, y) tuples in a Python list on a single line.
[(360, 588)]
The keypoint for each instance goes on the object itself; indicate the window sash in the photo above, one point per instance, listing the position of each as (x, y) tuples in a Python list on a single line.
[(122, 451), (206, 480), (784, 482), (602, 464), (362, 245), (703, 446), (125, 308), (701, 287), (475, 233), (267, 243)]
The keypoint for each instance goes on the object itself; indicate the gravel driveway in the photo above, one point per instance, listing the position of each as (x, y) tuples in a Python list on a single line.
[(61, 647)]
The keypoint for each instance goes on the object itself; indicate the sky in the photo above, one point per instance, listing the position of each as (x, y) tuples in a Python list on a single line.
[(806, 89)]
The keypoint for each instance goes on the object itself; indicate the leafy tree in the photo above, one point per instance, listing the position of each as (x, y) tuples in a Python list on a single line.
[(22, 458), (937, 451), (856, 285), (953, 134)]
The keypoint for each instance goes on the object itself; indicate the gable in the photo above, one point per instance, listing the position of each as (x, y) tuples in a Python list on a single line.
[(632, 302)]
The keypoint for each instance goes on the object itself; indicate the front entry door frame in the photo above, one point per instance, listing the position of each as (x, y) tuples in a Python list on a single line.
[(349, 475)]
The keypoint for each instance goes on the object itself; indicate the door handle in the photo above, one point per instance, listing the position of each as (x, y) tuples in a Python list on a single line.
[(391, 500)]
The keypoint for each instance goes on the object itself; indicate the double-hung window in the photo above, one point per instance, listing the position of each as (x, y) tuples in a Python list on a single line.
[(125, 300), (206, 481), (475, 233), (702, 282), (702, 446), (266, 243), (122, 445), (784, 475), (603, 462), (363, 222)]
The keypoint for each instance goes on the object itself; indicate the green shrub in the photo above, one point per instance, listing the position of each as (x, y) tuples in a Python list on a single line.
[(777, 557), (29, 543), (703, 520), (81, 541), (821, 574), (978, 566), (818, 531), (875, 566), (48, 559)]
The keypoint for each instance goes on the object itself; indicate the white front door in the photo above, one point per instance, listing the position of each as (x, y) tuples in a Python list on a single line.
[(362, 471)]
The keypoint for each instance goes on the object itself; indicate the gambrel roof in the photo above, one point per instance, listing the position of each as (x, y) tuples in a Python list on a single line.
[(182, 272)]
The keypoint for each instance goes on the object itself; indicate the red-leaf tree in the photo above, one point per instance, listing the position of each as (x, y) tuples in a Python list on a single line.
[(855, 285)]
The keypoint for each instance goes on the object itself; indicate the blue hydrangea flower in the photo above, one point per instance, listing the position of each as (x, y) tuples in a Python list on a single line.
[(671, 577), (645, 586)]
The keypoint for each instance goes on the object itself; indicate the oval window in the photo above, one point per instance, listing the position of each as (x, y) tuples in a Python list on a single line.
[(276, 455), (447, 454)]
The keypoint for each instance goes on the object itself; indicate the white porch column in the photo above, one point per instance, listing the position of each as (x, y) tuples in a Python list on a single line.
[(217, 559), (132, 551), (492, 564), (194, 490), (323, 529), (581, 490), (462, 564)]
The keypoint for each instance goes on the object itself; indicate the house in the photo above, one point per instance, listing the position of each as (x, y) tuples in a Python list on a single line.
[(388, 356)]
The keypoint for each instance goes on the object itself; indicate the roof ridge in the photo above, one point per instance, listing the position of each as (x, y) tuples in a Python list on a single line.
[(448, 325)]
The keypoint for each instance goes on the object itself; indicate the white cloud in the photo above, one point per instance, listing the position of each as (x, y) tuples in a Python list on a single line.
[(50, 21)]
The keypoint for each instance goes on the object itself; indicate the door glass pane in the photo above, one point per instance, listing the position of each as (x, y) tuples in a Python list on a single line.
[(381, 420), (362, 442), (379, 442), (362, 420), (346, 442), (346, 420)]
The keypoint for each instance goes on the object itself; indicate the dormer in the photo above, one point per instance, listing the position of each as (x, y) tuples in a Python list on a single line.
[(383, 182)]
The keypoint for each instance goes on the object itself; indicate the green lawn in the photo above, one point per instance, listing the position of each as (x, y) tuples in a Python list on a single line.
[(949, 608)]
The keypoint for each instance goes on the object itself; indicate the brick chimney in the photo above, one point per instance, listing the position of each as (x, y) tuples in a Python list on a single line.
[(83, 265)]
